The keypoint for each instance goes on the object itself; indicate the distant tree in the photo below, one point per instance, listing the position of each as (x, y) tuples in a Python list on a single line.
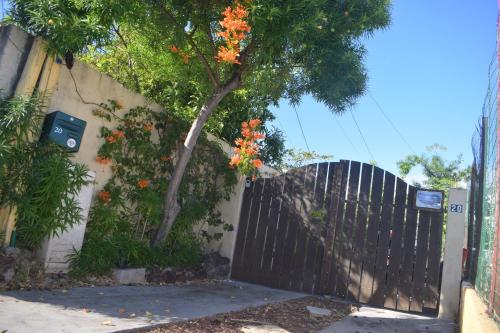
[(283, 49), (295, 158), (439, 173)]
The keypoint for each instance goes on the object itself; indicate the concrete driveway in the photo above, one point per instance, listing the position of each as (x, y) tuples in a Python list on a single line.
[(373, 320), (110, 309)]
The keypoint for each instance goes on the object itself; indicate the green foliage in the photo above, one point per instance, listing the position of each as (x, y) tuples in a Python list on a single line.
[(440, 174), (143, 148), (40, 179), (296, 158)]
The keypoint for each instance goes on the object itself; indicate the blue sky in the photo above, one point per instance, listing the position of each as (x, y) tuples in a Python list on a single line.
[(428, 71)]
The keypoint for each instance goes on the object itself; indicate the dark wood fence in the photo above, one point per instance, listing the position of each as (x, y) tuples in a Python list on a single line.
[(344, 229)]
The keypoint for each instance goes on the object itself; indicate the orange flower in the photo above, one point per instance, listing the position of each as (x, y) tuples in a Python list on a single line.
[(110, 139), (235, 29), (255, 122), (143, 183), (228, 55), (246, 132), (235, 160), (174, 49), (102, 160), (257, 163), (258, 136), (119, 134), (239, 142), (148, 127), (104, 196)]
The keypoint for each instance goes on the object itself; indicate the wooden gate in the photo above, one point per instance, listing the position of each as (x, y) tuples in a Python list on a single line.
[(344, 229)]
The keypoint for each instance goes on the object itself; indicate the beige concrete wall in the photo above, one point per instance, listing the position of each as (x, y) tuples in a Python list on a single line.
[(474, 316), (14, 48), (79, 97)]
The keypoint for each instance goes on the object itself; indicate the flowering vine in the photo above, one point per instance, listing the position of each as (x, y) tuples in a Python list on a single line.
[(246, 153), (236, 28)]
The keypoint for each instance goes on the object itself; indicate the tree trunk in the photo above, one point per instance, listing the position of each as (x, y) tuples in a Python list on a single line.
[(171, 207)]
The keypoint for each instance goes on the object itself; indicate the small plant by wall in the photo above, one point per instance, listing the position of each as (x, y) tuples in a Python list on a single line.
[(39, 179), (140, 151)]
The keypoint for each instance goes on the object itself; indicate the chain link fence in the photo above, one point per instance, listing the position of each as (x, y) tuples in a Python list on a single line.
[(481, 268)]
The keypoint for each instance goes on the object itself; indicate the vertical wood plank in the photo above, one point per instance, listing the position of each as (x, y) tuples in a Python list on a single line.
[(247, 258), (309, 207), (431, 295), (336, 273), (293, 212), (278, 265), (346, 235), (242, 231), (420, 261), (393, 271), (262, 222), (369, 257), (379, 282), (359, 232), (332, 203), (274, 213), (321, 203), (405, 281)]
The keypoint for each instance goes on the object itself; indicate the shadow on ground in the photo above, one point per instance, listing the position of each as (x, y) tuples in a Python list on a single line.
[(108, 309)]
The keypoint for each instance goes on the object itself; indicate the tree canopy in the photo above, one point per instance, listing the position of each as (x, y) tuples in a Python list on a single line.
[(439, 173), (224, 51)]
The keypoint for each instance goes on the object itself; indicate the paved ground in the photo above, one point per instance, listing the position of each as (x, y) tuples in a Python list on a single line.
[(371, 320), (110, 309)]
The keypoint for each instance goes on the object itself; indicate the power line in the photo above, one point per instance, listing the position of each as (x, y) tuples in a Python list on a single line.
[(345, 133), (362, 136), (391, 122), (301, 129)]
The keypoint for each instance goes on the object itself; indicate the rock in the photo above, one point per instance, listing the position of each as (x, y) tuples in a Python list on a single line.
[(129, 275), (12, 252), (169, 275), (263, 329), (318, 312), (8, 274), (180, 277), (216, 266)]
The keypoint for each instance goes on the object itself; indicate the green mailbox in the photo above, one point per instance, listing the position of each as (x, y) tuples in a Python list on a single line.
[(64, 130)]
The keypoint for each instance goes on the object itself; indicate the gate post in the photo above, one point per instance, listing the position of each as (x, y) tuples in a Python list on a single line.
[(453, 251)]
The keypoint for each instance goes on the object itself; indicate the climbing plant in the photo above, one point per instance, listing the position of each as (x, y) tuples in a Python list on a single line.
[(140, 151)]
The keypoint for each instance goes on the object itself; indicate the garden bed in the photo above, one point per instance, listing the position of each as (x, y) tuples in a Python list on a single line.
[(290, 316), (21, 270)]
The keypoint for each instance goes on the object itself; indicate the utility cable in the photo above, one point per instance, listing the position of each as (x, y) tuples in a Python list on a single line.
[(301, 129), (391, 122), (345, 133), (362, 136)]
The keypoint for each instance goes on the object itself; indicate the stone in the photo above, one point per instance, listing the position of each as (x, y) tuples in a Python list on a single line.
[(8, 274), (318, 312), (263, 329), (12, 251), (169, 275), (129, 275), (216, 266)]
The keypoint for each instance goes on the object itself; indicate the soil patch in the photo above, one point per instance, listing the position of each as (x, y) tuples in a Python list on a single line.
[(291, 316)]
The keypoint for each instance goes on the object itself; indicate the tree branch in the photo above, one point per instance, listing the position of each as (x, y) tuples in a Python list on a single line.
[(130, 61), (212, 76)]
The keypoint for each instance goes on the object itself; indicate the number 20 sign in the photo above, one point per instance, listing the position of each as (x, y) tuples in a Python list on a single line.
[(454, 208)]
